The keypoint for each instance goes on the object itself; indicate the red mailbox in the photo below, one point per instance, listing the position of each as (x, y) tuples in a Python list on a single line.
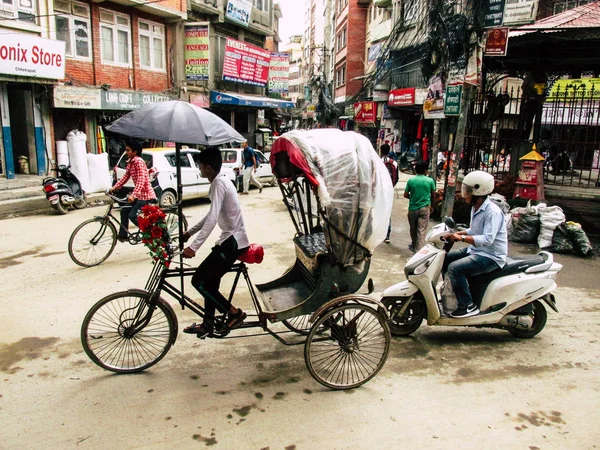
[(530, 181)]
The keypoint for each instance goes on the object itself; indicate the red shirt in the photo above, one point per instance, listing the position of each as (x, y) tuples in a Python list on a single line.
[(137, 170)]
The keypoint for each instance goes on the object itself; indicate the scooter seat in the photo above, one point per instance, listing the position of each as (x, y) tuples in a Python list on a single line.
[(512, 266)]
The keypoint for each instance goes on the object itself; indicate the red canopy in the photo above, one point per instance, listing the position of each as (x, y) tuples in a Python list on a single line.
[(282, 144)]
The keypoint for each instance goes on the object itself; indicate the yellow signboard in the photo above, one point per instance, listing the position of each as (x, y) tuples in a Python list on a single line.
[(580, 88)]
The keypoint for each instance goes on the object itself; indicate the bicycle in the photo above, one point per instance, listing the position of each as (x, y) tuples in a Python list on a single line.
[(93, 241)]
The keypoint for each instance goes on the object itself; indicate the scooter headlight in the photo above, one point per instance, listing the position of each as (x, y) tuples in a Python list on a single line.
[(422, 268)]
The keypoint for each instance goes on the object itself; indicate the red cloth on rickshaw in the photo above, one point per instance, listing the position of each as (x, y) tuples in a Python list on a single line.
[(296, 156)]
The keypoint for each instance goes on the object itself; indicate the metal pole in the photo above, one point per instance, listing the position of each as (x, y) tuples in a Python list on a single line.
[(459, 140), (179, 209)]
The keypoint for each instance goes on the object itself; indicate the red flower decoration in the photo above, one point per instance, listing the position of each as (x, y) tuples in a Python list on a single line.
[(155, 236), (156, 232)]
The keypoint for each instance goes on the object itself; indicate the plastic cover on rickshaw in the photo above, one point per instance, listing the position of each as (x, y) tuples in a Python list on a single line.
[(353, 186)]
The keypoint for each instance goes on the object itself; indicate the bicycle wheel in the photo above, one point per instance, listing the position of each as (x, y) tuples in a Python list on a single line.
[(92, 242), (124, 333), (352, 350), (299, 324), (172, 221)]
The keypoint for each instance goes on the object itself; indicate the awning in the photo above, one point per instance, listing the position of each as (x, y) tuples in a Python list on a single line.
[(229, 98)]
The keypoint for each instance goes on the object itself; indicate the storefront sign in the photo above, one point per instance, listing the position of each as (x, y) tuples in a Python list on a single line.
[(279, 72), (420, 96), (26, 55), (196, 52), (402, 97), (128, 100), (200, 100), (452, 100), (239, 11), (574, 90), (433, 108), (246, 63), (517, 12), (365, 112), (494, 14), (77, 97), (496, 42)]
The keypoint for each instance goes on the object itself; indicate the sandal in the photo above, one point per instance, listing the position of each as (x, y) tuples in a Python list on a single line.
[(235, 320), (199, 330)]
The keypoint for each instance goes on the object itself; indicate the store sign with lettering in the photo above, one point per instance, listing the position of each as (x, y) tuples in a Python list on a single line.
[(246, 63), (128, 100), (496, 42), (365, 112), (77, 97), (494, 14), (279, 72), (452, 100), (518, 12), (196, 52), (401, 97), (26, 55)]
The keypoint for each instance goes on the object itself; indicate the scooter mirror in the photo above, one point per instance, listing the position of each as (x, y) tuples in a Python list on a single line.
[(449, 221)]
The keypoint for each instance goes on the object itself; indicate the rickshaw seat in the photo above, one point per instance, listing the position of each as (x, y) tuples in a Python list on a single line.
[(253, 255)]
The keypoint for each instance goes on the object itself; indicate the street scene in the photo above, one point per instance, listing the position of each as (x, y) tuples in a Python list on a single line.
[(255, 392), (280, 224)]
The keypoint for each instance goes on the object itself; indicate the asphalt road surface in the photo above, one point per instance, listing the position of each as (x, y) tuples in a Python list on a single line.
[(441, 388)]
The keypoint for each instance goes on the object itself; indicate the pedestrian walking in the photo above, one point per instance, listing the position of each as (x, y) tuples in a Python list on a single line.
[(392, 167), (420, 191), (250, 164)]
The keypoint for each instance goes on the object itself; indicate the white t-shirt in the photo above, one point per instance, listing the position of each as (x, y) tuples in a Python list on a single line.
[(441, 157), (224, 211)]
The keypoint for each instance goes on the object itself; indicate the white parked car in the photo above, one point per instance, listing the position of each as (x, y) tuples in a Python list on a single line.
[(163, 161), (232, 158)]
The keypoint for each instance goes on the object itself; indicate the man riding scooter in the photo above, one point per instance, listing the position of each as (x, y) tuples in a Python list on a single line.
[(487, 239)]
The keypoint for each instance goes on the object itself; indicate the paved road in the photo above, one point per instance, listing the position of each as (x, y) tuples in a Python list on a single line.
[(441, 388)]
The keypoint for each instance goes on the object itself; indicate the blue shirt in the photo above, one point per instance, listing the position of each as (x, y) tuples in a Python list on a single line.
[(488, 230), (248, 154)]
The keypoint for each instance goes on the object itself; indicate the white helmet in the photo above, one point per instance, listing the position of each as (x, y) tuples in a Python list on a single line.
[(478, 182)]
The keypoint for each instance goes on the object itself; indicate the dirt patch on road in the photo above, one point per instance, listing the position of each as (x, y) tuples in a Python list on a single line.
[(29, 348), (12, 260)]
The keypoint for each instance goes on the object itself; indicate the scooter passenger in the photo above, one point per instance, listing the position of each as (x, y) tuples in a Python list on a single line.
[(487, 237)]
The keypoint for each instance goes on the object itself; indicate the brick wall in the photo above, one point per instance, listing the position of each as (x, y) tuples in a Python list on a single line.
[(119, 77)]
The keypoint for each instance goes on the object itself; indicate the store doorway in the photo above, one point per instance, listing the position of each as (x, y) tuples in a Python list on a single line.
[(22, 128)]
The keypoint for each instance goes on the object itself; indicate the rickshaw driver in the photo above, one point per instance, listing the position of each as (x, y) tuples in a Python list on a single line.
[(226, 212)]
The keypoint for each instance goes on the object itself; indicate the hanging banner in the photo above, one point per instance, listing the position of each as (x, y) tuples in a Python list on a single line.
[(365, 112), (196, 52), (452, 100), (433, 108), (246, 63), (496, 42), (238, 11), (494, 14), (279, 72), (518, 12)]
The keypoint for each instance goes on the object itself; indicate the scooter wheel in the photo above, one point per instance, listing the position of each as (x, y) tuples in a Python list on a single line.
[(60, 208)]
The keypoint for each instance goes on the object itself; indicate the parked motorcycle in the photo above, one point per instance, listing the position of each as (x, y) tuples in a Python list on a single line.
[(407, 162), (510, 298), (64, 191)]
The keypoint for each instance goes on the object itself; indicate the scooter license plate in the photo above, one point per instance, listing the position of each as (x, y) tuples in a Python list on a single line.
[(54, 199)]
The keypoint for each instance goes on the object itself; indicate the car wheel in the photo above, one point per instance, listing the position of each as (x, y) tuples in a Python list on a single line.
[(167, 198), (274, 181)]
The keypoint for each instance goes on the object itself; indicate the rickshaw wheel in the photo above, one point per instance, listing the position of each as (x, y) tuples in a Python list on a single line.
[(301, 324), (353, 348)]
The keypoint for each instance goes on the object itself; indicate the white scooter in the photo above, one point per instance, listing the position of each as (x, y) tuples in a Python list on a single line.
[(508, 298)]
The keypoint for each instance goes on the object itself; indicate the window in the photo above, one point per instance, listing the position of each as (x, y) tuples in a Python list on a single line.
[(72, 21), (115, 37), (152, 45), (564, 5), (340, 76), (262, 5), (21, 10), (342, 39), (184, 161)]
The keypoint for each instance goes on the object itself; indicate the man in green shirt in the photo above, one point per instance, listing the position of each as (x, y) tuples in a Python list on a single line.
[(420, 191)]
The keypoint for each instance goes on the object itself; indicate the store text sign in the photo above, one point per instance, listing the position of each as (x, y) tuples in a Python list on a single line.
[(365, 112), (402, 97), (31, 56), (246, 63)]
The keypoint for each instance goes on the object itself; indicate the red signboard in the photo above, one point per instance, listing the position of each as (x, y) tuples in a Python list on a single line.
[(365, 112), (402, 97), (496, 42), (246, 63)]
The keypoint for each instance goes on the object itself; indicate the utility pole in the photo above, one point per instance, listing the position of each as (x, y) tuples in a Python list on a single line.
[(454, 158)]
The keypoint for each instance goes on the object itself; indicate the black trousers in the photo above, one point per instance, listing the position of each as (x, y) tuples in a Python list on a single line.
[(128, 214), (207, 277)]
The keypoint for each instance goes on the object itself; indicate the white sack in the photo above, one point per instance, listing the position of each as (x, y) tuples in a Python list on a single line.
[(550, 218), (77, 151), (99, 173)]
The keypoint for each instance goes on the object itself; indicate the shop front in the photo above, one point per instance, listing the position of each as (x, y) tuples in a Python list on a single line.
[(365, 118), (28, 64), (402, 122), (243, 112), (90, 110)]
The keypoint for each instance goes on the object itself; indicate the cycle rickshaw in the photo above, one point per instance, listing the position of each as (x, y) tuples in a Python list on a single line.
[(339, 200)]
